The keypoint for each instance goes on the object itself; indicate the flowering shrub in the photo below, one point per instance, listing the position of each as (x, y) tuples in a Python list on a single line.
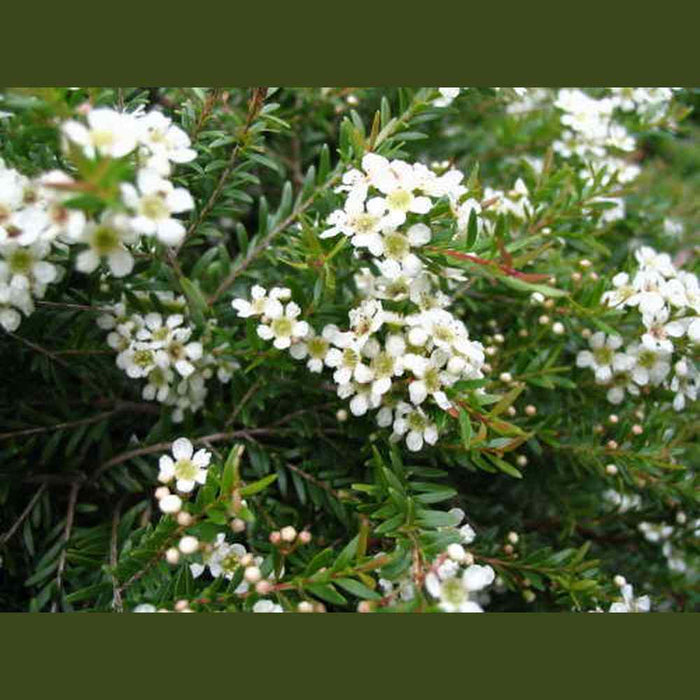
[(375, 350)]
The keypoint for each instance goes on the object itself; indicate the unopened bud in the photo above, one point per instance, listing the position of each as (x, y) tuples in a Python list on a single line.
[(513, 537), (530, 410), (184, 519), (275, 537), (637, 429), (252, 574), (172, 556), (288, 533), (305, 607), (263, 587), (304, 537), (611, 469), (188, 544), (238, 525)]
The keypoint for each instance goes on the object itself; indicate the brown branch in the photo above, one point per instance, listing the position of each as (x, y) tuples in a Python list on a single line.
[(255, 104), (70, 515), (7, 535)]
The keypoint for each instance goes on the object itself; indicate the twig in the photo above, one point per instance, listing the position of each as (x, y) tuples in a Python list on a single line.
[(117, 602), (66, 537), (6, 536), (58, 426), (254, 106)]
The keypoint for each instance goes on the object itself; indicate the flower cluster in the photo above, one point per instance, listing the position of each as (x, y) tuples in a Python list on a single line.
[(386, 361), (668, 301), (452, 579), (160, 348), (36, 214)]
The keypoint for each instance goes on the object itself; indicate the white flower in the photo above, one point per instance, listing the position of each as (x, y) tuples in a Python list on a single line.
[(267, 606), (361, 221), (187, 468), (602, 358), (282, 325), (397, 181), (430, 378), (685, 383), (414, 424), (108, 133), (622, 292), (314, 347), (154, 203), (106, 241), (629, 603), (447, 95), (26, 267), (659, 331), (165, 141), (650, 366)]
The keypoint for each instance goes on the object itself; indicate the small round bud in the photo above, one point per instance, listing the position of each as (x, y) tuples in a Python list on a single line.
[(612, 445), (530, 410), (611, 469), (172, 556), (498, 338), (585, 264), (620, 581), (549, 304), (523, 333), (304, 537), (184, 519), (161, 492), (681, 518), (341, 415), (513, 537), (558, 328), (586, 333), (511, 411), (521, 461), (468, 559), (456, 552), (305, 607), (252, 574), (288, 534), (319, 608), (364, 606), (508, 549), (188, 544), (576, 276), (637, 429), (612, 418), (275, 537), (529, 596), (485, 368), (247, 559), (238, 525), (170, 504), (182, 605), (263, 587), (594, 276), (543, 320), (490, 351), (506, 377), (598, 428)]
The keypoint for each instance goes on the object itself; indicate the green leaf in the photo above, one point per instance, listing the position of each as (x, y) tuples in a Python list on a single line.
[(465, 428), (259, 485), (325, 591), (357, 589)]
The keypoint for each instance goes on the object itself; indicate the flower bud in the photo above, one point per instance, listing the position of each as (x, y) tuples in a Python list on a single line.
[(341, 415), (304, 537), (188, 544), (513, 537), (172, 556), (170, 504), (530, 410), (288, 533), (275, 537), (184, 519), (506, 377), (305, 607), (238, 525), (364, 606), (263, 587), (637, 429), (456, 552), (558, 328), (161, 492), (611, 469)]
